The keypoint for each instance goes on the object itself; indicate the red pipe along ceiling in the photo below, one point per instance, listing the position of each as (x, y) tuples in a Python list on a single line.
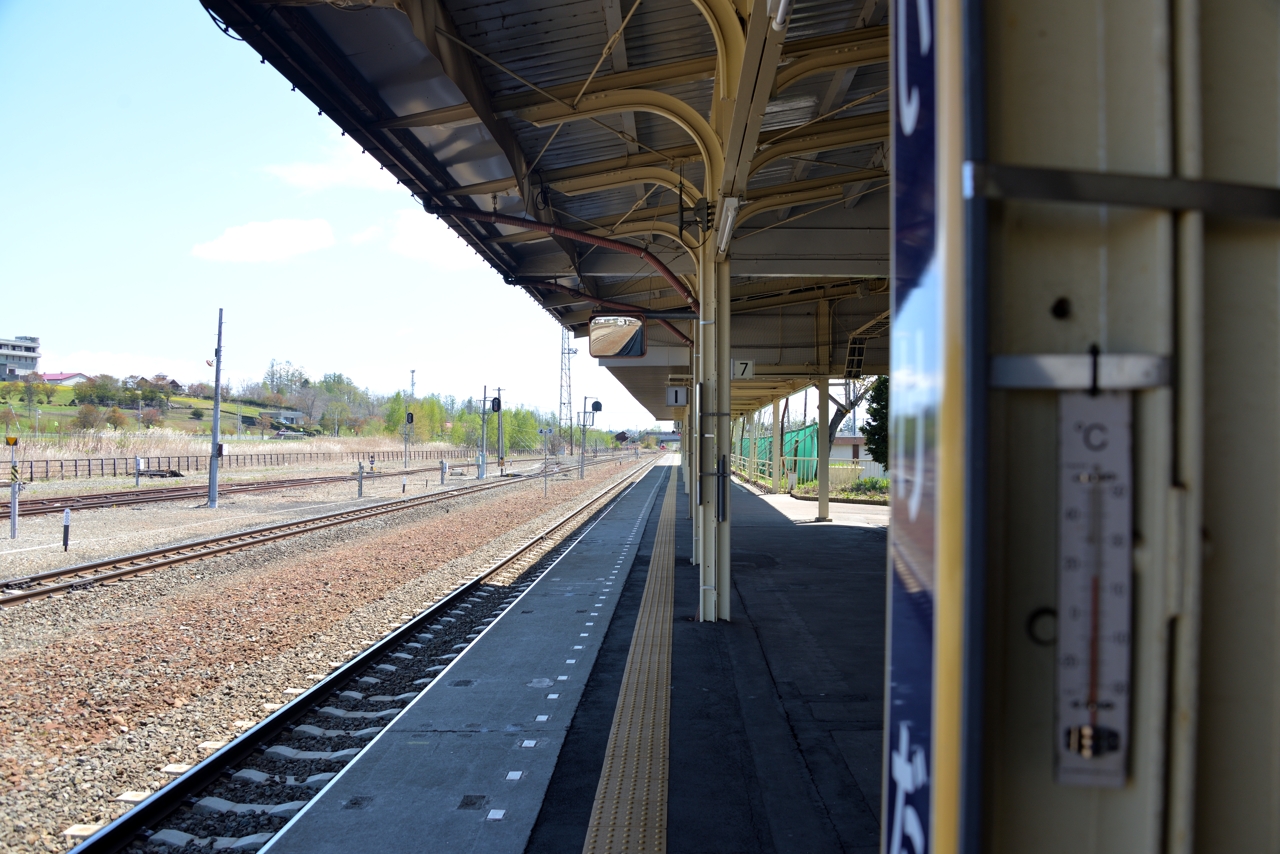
[(570, 234)]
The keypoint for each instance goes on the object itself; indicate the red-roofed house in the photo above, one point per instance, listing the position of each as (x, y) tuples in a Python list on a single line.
[(65, 379)]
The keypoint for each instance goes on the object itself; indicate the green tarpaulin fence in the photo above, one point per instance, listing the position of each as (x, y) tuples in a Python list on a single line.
[(799, 451)]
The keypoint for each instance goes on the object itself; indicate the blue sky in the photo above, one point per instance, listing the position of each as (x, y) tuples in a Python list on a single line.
[(153, 171)]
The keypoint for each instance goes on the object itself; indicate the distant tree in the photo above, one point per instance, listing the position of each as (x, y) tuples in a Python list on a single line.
[(306, 399), (197, 413), (10, 390), (200, 390), (117, 418), (283, 378), (152, 418), (87, 417), (264, 424), (8, 419), (29, 385), (394, 418), (876, 427), (101, 390)]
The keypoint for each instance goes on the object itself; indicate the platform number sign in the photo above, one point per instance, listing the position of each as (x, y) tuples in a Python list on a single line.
[(744, 369), (677, 395), (915, 375)]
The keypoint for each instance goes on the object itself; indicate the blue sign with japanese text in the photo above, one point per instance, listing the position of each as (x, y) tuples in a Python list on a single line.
[(915, 377)]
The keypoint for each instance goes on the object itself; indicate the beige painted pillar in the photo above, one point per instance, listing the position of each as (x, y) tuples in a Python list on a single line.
[(752, 445), (824, 452), (705, 425), (724, 401)]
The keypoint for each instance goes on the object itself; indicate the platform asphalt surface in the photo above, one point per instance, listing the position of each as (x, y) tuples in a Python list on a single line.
[(775, 716), (465, 767)]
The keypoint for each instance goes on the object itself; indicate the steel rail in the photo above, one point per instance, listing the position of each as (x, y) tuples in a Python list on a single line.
[(140, 821), (28, 587), (95, 500)]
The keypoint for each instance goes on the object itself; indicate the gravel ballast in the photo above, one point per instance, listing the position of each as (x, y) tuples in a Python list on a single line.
[(105, 687)]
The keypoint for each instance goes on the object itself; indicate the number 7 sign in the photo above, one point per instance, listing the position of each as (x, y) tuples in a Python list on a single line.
[(744, 369)]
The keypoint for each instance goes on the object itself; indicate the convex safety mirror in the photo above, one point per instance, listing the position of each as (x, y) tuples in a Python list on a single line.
[(617, 337)]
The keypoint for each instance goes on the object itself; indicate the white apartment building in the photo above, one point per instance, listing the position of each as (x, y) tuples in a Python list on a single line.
[(18, 356)]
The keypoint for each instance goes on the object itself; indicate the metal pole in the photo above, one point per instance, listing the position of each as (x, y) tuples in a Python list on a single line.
[(217, 411), (544, 466), (360, 481), (502, 447), (824, 451), (14, 489), (444, 470), (66, 529), (484, 432), (406, 445), (404, 485), (137, 471)]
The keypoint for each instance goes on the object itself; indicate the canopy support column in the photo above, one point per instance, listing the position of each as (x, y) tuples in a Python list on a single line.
[(824, 452)]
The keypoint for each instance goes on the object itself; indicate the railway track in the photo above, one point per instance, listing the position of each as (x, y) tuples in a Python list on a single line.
[(246, 791), (124, 498), (54, 582)]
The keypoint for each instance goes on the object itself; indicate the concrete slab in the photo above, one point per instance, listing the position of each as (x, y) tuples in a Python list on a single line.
[(441, 773)]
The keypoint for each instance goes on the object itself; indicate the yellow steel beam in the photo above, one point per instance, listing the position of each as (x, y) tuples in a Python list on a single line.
[(627, 177), (825, 136), (688, 154), (782, 194), (866, 41), (870, 52), (646, 101)]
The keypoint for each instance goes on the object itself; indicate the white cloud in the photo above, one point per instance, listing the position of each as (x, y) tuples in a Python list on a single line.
[(373, 232), (422, 237), (344, 166), (267, 241)]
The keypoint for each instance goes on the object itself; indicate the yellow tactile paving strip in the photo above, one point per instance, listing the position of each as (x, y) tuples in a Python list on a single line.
[(630, 811)]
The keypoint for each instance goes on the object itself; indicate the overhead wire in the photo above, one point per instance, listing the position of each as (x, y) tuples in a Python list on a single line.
[(626, 137)]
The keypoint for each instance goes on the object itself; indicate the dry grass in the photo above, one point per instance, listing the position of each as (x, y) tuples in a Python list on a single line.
[(159, 443)]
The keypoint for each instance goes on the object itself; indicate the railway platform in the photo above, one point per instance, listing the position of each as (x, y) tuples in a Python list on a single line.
[(598, 715)]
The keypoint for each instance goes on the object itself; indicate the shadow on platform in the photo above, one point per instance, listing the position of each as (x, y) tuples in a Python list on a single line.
[(775, 716)]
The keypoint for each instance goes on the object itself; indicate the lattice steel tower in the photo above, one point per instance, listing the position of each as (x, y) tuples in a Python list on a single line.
[(566, 391)]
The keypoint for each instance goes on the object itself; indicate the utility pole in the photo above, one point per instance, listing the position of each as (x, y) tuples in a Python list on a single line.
[(217, 411), (413, 386)]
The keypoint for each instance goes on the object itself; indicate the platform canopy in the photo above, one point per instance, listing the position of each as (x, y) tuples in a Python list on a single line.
[(602, 116)]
